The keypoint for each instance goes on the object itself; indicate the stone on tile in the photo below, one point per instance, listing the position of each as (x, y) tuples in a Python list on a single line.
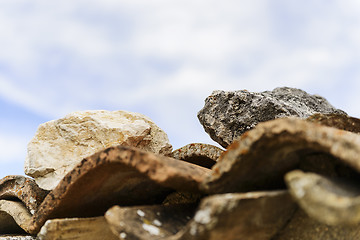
[(22, 188), (250, 216), (94, 228), (59, 145), (228, 114), (262, 156), (117, 176), (14, 217), (149, 222), (200, 154), (332, 201)]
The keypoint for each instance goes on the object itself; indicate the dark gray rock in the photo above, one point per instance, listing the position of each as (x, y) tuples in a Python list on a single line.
[(227, 115)]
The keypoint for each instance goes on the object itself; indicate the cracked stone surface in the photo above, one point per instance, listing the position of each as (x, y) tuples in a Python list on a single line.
[(94, 228), (262, 156), (22, 188), (250, 216), (200, 154), (228, 114), (59, 145), (149, 222), (332, 201), (117, 176)]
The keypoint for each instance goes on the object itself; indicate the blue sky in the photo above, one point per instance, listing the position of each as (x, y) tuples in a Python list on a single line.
[(163, 58)]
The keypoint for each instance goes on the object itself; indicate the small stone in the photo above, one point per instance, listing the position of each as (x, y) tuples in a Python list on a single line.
[(157, 222), (59, 145), (262, 156), (201, 154), (251, 216), (93, 228), (227, 115), (332, 201)]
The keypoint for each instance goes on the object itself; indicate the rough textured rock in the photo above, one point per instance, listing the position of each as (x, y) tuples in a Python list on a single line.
[(24, 189), (200, 154), (14, 217), (76, 229), (117, 176), (148, 222), (262, 156), (61, 144), (250, 216), (302, 227), (328, 200), (227, 115)]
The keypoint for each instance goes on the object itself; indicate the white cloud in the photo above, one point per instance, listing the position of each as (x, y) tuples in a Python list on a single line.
[(163, 58), (61, 57)]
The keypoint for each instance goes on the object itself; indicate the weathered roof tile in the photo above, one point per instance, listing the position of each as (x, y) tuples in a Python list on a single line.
[(260, 158)]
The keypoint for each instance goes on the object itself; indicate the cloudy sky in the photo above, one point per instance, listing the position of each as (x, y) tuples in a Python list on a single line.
[(163, 58)]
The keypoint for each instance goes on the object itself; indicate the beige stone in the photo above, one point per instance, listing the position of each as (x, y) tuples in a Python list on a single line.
[(76, 229), (59, 145)]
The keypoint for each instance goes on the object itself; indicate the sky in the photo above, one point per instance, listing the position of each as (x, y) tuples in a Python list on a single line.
[(162, 58)]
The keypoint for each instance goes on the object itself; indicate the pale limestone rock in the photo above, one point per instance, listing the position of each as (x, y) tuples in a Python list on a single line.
[(59, 145)]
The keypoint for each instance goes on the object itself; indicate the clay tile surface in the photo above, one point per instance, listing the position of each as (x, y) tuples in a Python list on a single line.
[(118, 175), (250, 216), (93, 228), (22, 188), (14, 217), (302, 227), (339, 121), (200, 154), (16, 237), (149, 222), (260, 158), (332, 201)]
